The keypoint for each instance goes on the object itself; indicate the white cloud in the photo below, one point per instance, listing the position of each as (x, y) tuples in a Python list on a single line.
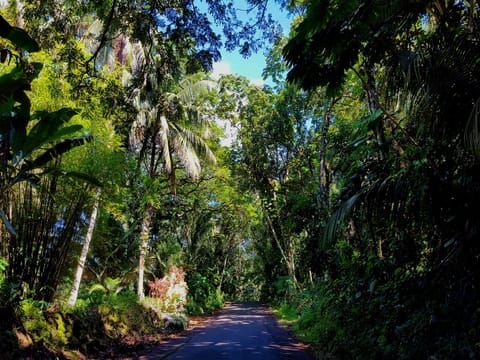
[(257, 82), (225, 68), (221, 68)]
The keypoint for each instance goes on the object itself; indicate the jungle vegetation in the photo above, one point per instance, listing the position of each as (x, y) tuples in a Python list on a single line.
[(137, 189)]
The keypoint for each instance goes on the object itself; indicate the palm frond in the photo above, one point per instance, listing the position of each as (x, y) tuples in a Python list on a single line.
[(191, 139), (136, 57), (338, 216), (91, 34), (164, 143), (190, 161), (389, 198)]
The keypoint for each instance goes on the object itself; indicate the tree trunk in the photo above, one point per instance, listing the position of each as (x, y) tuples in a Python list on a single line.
[(289, 260), (144, 236), (324, 193), (224, 269), (83, 255), (324, 183)]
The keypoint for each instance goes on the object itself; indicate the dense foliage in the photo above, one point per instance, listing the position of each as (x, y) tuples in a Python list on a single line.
[(347, 196), (112, 173), (400, 249)]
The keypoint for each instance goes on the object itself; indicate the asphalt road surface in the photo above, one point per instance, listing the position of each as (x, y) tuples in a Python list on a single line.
[(240, 331)]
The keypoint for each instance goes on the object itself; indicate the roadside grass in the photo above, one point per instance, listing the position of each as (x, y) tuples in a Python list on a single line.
[(287, 315)]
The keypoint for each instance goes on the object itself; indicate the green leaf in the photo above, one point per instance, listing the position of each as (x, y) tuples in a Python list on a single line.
[(75, 175), (6, 106), (17, 36), (34, 180), (21, 39), (342, 212), (47, 129), (11, 82), (5, 125), (97, 287), (60, 116), (56, 151), (372, 120), (66, 131), (358, 141), (5, 27)]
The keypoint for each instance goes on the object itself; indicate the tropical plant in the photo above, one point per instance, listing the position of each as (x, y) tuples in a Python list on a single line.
[(167, 131), (31, 146), (411, 171), (19, 141)]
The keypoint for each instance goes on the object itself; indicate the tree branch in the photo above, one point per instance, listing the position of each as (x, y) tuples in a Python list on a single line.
[(103, 38)]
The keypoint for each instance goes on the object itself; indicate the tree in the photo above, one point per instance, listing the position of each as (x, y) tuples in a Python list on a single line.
[(185, 23), (102, 159), (168, 38), (276, 160), (83, 256), (409, 62), (407, 180), (166, 132)]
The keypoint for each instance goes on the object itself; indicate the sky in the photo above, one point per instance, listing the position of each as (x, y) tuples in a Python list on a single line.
[(251, 67), (233, 62)]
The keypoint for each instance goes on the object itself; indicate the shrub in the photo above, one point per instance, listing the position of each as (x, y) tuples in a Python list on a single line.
[(169, 292), (203, 296), (46, 325), (10, 293), (382, 312), (90, 327)]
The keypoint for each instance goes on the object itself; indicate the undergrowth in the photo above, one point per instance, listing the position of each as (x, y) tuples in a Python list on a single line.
[(97, 324), (383, 312)]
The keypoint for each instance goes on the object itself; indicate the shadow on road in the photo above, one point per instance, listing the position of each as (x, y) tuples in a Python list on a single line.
[(240, 331)]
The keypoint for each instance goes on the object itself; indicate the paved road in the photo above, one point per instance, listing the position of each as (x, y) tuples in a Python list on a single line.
[(240, 331)]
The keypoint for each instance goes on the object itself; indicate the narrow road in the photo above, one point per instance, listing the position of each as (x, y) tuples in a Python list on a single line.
[(240, 331)]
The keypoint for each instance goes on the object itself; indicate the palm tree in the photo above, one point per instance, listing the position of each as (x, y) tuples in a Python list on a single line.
[(169, 133)]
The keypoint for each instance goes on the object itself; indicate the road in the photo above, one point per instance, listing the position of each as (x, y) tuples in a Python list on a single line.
[(240, 331)]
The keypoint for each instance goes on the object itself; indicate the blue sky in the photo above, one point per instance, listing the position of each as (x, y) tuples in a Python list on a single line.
[(233, 62), (251, 67)]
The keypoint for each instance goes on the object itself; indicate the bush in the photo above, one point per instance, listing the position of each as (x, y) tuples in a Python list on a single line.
[(169, 292), (203, 296), (382, 312), (46, 326), (10, 293), (98, 325)]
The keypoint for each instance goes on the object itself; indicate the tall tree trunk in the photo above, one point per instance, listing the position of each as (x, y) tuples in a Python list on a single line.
[(323, 171), (144, 236), (289, 260), (83, 255), (374, 106), (222, 275), (324, 192)]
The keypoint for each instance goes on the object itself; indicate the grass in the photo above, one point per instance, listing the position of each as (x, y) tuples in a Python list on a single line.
[(287, 314)]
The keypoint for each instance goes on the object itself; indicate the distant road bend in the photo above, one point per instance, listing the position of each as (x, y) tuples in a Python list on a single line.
[(240, 331)]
